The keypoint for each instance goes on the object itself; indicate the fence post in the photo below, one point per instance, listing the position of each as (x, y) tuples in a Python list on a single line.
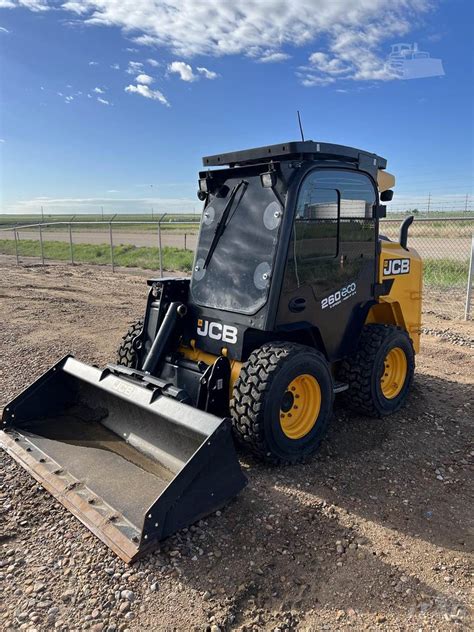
[(160, 253), (70, 244), (41, 244), (467, 313), (111, 247), (16, 247), (185, 241)]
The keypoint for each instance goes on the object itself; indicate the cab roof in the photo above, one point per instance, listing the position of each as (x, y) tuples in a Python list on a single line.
[(297, 150)]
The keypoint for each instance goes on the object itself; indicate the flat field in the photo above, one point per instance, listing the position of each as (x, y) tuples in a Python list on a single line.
[(373, 533)]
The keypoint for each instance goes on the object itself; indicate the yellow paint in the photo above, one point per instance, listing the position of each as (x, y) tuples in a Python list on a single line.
[(395, 373), (196, 355), (402, 306), (385, 180), (304, 405)]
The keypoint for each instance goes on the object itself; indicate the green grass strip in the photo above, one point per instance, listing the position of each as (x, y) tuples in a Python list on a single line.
[(124, 255), (436, 272)]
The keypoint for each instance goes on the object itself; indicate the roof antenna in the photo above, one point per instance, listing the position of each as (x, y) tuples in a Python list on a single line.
[(301, 126)]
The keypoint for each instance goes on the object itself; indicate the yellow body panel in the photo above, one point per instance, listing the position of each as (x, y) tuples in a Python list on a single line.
[(385, 180), (402, 306), (196, 355)]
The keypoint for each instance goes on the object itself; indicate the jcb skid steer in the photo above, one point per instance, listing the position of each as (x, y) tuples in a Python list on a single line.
[(294, 296)]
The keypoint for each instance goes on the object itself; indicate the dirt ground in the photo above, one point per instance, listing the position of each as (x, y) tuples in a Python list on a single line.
[(372, 534)]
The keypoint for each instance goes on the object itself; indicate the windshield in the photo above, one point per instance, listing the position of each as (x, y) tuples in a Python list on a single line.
[(237, 275)]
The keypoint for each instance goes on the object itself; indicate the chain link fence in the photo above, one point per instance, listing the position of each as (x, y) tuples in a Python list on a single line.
[(153, 245), (445, 245)]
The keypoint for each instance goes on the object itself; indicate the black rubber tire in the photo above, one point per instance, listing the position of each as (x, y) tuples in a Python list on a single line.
[(126, 353), (257, 395), (363, 370)]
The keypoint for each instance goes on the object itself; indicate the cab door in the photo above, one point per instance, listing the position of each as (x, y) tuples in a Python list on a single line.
[(331, 264)]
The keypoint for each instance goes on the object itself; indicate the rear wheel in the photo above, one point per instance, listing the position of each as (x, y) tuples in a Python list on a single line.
[(282, 402), (127, 353), (381, 371)]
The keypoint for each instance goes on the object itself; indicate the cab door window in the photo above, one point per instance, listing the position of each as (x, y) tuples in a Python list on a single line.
[(316, 229), (334, 230)]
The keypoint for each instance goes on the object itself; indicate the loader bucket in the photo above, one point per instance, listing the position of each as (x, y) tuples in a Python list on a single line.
[(133, 465)]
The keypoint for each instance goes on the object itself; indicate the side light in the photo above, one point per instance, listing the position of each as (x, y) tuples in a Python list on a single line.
[(268, 179)]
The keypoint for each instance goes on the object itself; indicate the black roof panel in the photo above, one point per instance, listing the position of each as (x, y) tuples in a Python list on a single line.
[(302, 150)]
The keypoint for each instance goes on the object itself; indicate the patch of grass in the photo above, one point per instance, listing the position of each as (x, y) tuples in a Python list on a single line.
[(445, 272), (436, 272), (124, 255)]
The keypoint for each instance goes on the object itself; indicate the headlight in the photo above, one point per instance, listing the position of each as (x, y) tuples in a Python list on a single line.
[(268, 179)]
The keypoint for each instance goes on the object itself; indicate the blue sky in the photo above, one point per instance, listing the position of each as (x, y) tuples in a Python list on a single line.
[(113, 102)]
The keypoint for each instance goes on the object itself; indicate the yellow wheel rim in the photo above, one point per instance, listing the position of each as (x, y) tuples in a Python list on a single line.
[(394, 373), (300, 406)]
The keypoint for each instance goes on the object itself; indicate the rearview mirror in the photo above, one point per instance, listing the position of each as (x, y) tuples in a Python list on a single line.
[(386, 196)]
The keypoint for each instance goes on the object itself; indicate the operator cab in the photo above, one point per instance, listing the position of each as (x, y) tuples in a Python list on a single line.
[(289, 232)]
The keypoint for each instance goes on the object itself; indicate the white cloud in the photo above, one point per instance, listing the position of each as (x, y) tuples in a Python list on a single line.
[(207, 74), (93, 63), (356, 32), (4, 30), (270, 58), (144, 79), (134, 67), (182, 69), (115, 66), (153, 62), (98, 90), (33, 5), (235, 28), (75, 7), (309, 80), (2, 140), (103, 101), (186, 72), (146, 92), (325, 64), (69, 99)]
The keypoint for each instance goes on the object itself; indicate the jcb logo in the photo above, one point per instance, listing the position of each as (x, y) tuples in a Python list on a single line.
[(396, 266), (217, 331)]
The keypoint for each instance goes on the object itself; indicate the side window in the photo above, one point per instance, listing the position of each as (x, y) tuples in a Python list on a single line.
[(316, 223), (334, 229)]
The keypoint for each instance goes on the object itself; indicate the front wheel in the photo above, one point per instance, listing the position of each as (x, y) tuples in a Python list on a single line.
[(380, 373), (127, 353), (282, 402)]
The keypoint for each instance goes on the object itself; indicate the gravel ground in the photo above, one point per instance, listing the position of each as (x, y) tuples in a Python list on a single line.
[(371, 534)]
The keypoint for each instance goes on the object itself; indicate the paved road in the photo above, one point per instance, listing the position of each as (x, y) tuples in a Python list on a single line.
[(138, 238)]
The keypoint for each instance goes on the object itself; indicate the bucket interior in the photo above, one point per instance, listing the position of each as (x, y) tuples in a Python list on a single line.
[(123, 453)]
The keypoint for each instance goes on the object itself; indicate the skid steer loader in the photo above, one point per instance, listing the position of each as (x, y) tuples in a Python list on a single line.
[(294, 296)]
